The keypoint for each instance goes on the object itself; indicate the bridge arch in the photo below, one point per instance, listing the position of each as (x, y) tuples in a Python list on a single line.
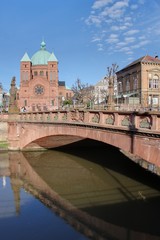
[(39, 134), (29, 134)]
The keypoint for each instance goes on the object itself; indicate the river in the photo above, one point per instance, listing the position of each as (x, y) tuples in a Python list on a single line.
[(87, 190)]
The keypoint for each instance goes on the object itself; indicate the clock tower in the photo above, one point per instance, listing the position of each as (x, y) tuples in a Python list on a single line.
[(38, 81)]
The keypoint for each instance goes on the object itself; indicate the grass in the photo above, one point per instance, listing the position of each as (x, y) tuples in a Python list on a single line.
[(3, 145)]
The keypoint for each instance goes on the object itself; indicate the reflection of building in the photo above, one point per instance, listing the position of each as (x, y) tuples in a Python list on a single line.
[(39, 86), (139, 82)]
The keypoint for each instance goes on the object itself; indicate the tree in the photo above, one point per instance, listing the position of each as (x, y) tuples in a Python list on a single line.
[(83, 93), (111, 73)]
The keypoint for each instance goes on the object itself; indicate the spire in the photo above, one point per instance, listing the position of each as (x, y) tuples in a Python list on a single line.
[(25, 58), (43, 45), (52, 58)]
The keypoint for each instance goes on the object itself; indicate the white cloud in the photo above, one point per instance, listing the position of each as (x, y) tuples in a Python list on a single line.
[(116, 10), (93, 20), (134, 6), (129, 52), (96, 39), (131, 32), (113, 38), (124, 49), (121, 25), (142, 37), (101, 3), (100, 47), (129, 39), (121, 44), (140, 44), (114, 28)]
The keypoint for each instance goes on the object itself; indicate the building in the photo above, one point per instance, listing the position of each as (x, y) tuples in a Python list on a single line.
[(139, 83), (4, 100), (39, 81), (64, 93), (102, 90)]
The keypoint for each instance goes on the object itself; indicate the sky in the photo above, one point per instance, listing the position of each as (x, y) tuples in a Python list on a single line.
[(86, 36)]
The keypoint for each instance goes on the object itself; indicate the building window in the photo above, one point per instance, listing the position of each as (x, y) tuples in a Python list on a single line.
[(153, 100), (52, 102), (135, 83), (153, 81), (51, 76), (25, 76), (54, 76), (119, 87), (25, 103), (35, 73), (128, 85), (41, 73)]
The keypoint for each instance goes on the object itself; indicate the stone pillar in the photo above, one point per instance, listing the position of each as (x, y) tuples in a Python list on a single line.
[(13, 108)]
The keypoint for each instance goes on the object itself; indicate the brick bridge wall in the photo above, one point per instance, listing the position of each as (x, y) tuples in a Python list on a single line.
[(137, 134)]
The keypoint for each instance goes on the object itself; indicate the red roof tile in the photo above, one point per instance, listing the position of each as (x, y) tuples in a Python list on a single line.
[(147, 59)]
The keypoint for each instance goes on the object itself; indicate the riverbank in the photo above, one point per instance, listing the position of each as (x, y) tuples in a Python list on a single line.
[(4, 145)]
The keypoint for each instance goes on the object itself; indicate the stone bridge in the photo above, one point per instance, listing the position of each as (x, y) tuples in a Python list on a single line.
[(137, 134)]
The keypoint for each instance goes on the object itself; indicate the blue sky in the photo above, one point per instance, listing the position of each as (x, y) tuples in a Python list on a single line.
[(86, 36)]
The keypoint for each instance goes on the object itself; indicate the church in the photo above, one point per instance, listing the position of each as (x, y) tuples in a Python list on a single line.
[(40, 88)]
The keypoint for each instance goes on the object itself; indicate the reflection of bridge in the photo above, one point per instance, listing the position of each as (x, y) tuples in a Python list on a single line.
[(136, 133), (42, 182)]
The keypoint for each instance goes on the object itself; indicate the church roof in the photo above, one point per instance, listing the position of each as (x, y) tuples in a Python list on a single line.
[(52, 58), (42, 56), (25, 58)]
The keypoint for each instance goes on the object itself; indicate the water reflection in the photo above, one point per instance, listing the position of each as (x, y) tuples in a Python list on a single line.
[(112, 200)]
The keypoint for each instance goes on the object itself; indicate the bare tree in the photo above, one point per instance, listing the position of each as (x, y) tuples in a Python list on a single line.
[(83, 93)]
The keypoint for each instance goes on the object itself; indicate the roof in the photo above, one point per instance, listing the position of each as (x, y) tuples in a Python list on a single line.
[(52, 58), (144, 59), (25, 58), (41, 57)]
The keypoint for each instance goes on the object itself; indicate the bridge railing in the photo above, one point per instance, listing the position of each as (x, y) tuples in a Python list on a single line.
[(142, 121)]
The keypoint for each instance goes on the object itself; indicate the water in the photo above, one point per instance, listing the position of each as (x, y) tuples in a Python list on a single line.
[(77, 193)]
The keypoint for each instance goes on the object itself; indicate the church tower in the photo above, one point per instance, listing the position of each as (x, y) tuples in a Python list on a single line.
[(38, 81)]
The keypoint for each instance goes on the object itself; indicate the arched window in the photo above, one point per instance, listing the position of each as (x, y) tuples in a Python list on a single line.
[(51, 76), (24, 76), (128, 85), (135, 83), (120, 88), (25, 102), (153, 81)]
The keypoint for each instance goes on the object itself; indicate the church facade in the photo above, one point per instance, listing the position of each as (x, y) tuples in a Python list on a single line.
[(39, 82)]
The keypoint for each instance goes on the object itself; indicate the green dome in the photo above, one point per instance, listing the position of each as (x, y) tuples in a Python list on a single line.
[(41, 57)]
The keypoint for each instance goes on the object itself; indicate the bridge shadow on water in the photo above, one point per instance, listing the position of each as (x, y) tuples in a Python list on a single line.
[(139, 212)]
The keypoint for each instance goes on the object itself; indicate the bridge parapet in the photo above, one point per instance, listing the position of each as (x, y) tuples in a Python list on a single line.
[(130, 120)]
